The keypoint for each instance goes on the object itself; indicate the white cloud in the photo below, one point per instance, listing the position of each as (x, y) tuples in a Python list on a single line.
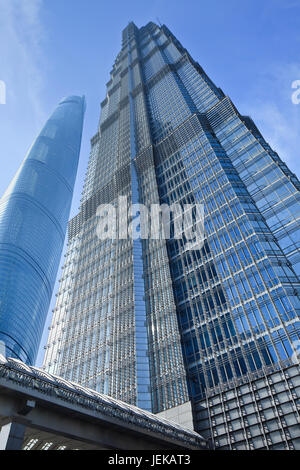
[(269, 103), (22, 61)]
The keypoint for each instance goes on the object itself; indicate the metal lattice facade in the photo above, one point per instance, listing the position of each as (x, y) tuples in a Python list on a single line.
[(200, 319)]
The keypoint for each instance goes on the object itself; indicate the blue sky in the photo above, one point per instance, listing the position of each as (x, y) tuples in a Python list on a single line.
[(53, 48)]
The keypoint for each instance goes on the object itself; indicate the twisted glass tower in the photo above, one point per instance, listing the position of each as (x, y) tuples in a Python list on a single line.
[(210, 333), (34, 212)]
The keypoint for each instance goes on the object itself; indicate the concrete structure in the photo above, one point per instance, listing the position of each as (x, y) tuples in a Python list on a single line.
[(41, 411), (182, 414)]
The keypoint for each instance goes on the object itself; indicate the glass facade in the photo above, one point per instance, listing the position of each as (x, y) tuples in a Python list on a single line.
[(148, 321), (34, 213)]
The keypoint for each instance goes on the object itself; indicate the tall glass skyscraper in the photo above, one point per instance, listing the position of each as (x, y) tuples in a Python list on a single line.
[(210, 333), (34, 213)]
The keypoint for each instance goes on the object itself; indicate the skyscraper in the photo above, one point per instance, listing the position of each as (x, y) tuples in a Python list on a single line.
[(34, 213), (206, 336)]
